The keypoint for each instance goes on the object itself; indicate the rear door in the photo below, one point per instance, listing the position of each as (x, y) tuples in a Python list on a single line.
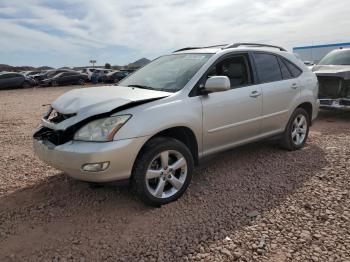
[(65, 78), (17, 80), (13, 80), (280, 90), (231, 117), (73, 78)]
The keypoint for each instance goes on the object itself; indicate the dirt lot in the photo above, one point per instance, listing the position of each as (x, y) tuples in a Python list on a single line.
[(254, 203)]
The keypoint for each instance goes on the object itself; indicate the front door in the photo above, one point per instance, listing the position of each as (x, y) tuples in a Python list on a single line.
[(232, 117)]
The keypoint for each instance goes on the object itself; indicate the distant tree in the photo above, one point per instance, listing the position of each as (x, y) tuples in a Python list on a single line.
[(108, 66)]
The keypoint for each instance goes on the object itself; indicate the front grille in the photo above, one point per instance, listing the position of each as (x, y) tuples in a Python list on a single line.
[(56, 137), (326, 102), (329, 87), (47, 134)]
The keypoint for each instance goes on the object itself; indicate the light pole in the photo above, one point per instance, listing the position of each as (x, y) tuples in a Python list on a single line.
[(93, 62)]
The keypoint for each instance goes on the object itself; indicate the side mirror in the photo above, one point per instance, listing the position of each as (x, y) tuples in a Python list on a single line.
[(217, 84)]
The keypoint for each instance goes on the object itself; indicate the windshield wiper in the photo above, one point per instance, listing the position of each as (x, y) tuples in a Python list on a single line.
[(142, 86)]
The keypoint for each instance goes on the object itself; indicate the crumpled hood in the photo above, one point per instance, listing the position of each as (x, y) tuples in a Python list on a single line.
[(102, 99), (87, 102), (342, 71)]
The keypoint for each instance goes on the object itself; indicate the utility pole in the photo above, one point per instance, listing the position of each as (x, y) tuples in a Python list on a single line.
[(93, 62)]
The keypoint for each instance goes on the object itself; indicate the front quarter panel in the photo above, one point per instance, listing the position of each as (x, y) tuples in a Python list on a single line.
[(154, 117)]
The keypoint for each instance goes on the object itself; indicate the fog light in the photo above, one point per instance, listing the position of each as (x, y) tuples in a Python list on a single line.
[(95, 167)]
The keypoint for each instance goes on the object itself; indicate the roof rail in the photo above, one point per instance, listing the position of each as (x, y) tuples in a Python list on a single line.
[(254, 44), (186, 48), (197, 47)]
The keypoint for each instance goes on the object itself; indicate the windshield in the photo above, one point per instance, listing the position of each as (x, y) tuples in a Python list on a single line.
[(167, 73), (337, 58)]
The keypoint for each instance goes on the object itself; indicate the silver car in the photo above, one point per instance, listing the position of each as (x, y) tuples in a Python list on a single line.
[(159, 122)]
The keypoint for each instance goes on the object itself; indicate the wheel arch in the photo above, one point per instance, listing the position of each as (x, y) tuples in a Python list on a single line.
[(307, 106), (183, 134)]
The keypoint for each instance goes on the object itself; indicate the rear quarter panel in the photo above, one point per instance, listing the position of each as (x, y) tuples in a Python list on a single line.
[(308, 86)]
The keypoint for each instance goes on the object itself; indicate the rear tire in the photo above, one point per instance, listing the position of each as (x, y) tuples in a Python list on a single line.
[(162, 171), (297, 130)]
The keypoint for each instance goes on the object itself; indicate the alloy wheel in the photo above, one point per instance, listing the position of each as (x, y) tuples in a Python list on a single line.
[(166, 174), (299, 129)]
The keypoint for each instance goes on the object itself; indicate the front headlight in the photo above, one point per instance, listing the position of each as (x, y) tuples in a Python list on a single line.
[(102, 129)]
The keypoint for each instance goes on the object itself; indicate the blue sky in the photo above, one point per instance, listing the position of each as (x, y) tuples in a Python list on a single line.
[(71, 32)]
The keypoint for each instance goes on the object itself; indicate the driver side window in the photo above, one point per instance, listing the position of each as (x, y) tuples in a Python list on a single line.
[(235, 68)]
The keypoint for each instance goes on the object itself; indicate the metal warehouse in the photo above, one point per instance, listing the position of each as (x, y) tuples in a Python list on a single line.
[(316, 52)]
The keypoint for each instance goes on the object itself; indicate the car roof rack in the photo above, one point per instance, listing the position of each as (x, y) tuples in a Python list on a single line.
[(235, 45), (197, 47), (186, 48)]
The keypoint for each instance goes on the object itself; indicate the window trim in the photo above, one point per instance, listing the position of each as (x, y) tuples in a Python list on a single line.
[(195, 91)]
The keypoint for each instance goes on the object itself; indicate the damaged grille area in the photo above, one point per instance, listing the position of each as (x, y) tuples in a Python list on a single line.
[(56, 137), (333, 87)]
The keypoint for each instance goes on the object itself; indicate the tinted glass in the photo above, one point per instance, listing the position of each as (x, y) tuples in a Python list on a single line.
[(267, 67), (337, 58), (295, 71), (285, 72)]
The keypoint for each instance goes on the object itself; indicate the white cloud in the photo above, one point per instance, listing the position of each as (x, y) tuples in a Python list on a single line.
[(151, 28)]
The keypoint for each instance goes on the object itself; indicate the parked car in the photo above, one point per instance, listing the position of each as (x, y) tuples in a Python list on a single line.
[(152, 129), (114, 77), (65, 78), (99, 71), (29, 73), (49, 74), (333, 74), (15, 80)]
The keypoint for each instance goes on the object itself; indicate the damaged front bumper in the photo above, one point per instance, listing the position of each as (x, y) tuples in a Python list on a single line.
[(72, 156), (335, 104)]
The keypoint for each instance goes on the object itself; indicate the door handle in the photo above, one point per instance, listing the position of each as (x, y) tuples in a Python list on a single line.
[(255, 94), (294, 86)]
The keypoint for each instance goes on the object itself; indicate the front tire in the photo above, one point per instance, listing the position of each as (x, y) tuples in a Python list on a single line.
[(297, 130), (163, 171)]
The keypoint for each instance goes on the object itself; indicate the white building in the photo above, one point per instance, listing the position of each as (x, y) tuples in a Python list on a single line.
[(316, 52)]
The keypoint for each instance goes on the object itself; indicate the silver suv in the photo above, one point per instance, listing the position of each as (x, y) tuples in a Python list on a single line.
[(155, 126)]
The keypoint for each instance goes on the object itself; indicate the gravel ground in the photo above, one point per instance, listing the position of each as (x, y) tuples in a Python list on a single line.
[(254, 203)]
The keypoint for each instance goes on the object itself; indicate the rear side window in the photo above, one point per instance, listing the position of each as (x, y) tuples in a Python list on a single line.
[(267, 67), (286, 74), (295, 71)]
